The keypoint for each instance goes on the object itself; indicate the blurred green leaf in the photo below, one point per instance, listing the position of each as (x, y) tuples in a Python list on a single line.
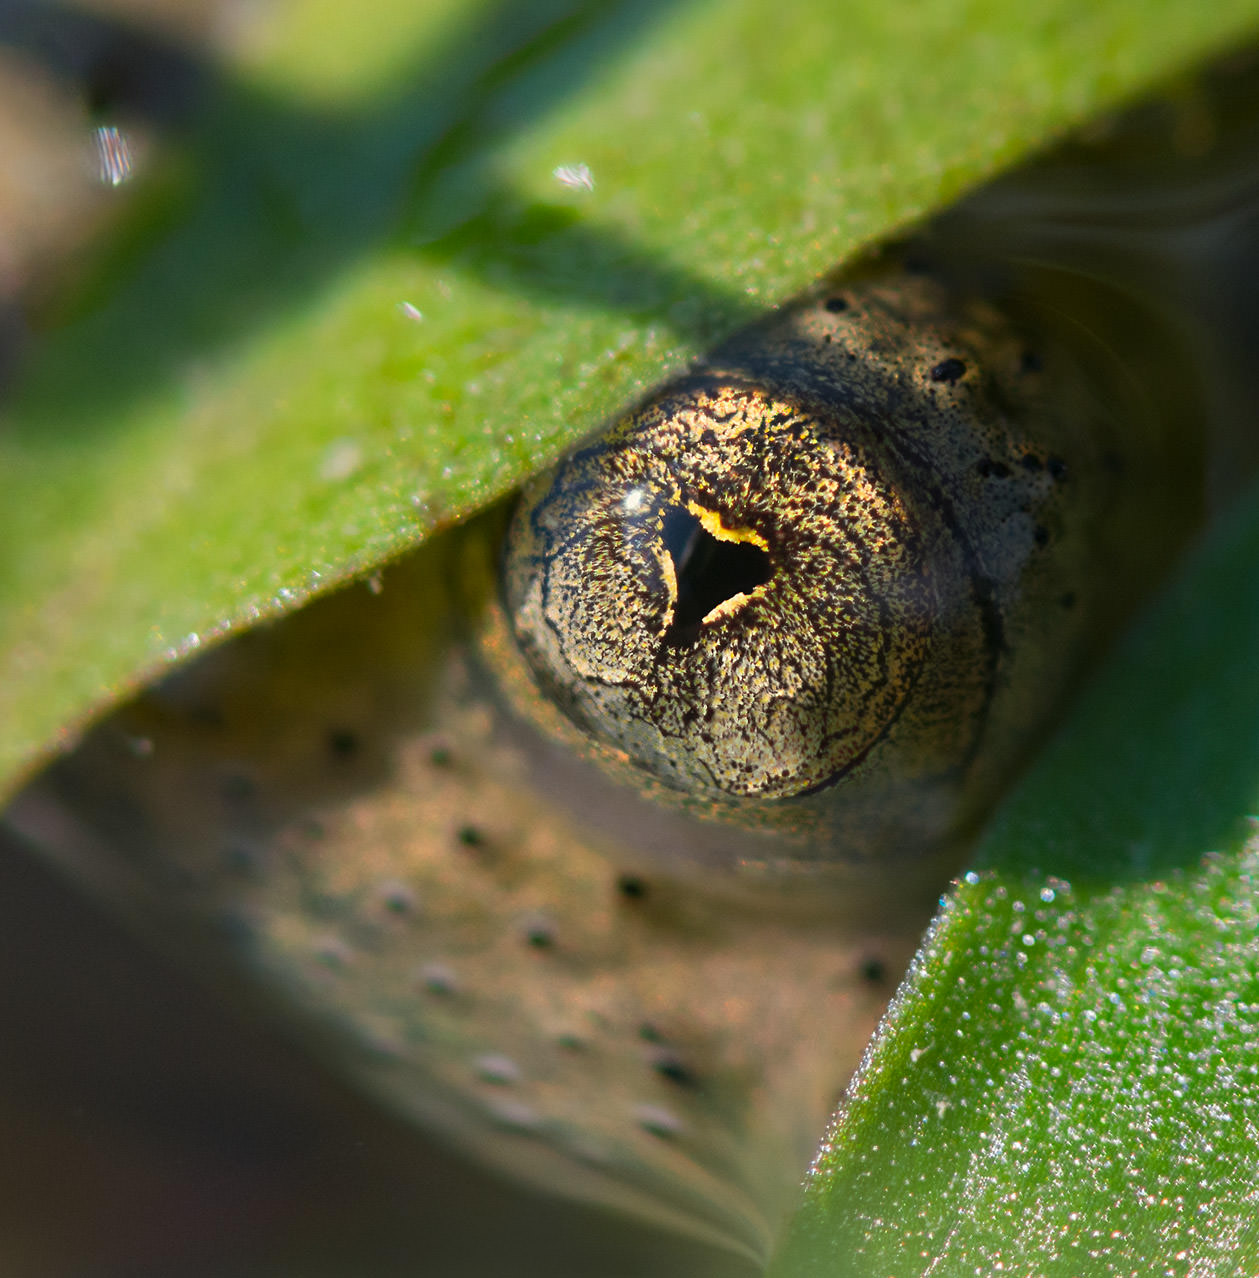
[(240, 411), (1069, 1081)]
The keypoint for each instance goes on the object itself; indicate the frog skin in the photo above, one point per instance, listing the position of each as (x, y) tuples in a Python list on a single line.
[(554, 938)]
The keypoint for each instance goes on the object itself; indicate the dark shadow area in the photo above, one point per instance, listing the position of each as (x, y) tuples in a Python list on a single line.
[(280, 199)]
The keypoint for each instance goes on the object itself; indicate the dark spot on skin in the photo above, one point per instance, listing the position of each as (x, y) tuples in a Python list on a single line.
[(571, 1042), (342, 743), (1041, 535), (989, 469), (438, 979), (1032, 462), (658, 1122), (440, 756), (334, 954), (836, 304), (649, 1033), (1030, 363), (540, 934), (398, 899), (873, 971), (948, 370), (631, 887), (1068, 600), (1057, 467), (671, 1066), (470, 836)]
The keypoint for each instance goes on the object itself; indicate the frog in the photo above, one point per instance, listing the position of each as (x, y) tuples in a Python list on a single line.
[(591, 834)]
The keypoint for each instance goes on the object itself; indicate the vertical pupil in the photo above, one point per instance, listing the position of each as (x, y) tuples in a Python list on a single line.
[(709, 571)]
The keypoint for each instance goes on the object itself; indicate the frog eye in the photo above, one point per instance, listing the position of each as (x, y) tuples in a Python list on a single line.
[(795, 573), (730, 588)]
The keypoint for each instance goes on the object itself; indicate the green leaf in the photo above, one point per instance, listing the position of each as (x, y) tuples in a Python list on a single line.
[(1069, 1081), (238, 414)]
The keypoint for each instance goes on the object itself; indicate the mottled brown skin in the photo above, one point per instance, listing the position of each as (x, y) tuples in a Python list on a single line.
[(944, 545)]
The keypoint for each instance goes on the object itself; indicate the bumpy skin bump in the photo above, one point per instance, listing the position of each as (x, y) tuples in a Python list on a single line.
[(832, 582)]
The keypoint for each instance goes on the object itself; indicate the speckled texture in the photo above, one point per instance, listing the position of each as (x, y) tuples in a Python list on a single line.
[(1110, 1131)]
